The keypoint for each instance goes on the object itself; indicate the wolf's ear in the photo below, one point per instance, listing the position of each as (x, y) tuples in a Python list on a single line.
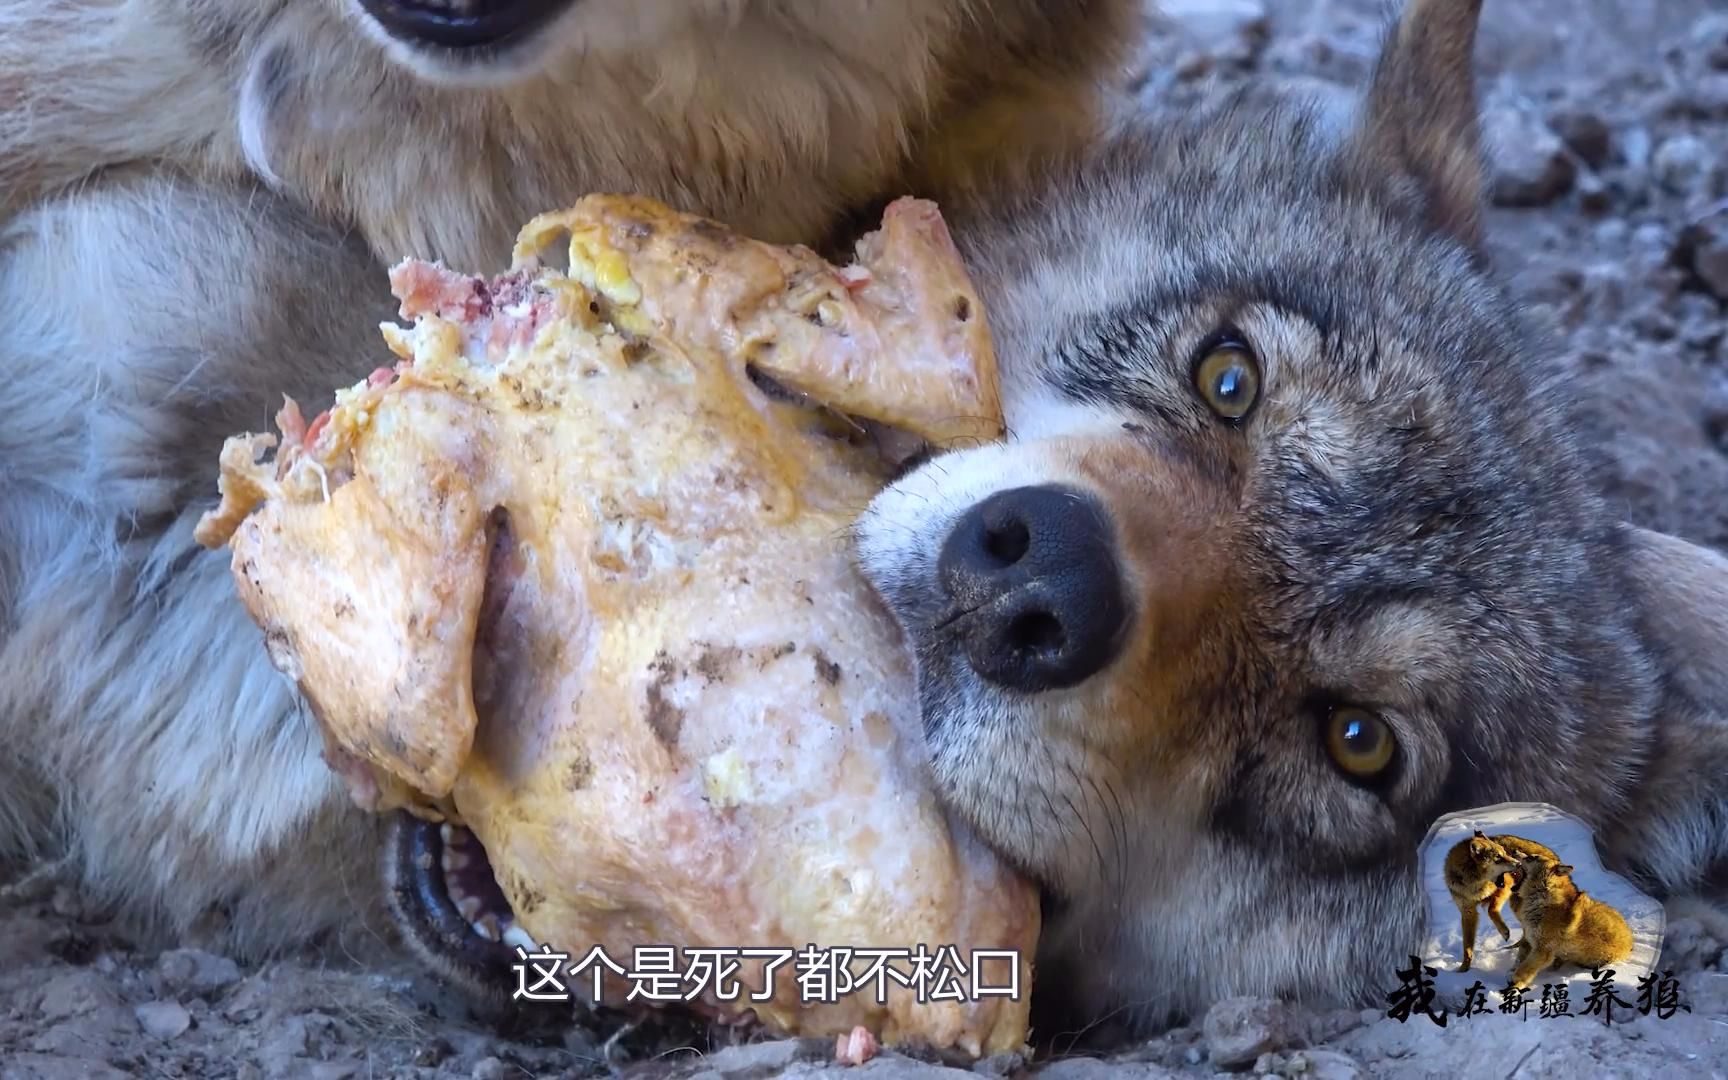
[(1560, 870), (1419, 125), (1480, 835)]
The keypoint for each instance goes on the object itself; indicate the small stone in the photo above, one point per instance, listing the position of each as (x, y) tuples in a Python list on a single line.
[(1651, 237), (434, 1053), (772, 1055), (75, 993), (163, 1019), (1231, 30), (1529, 165), (331, 1070), (1193, 1056), (1709, 40), (292, 1039), (1704, 97), (491, 1068), (1586, 133), (1323, 1065), (1703, 250), (195, 972), (1238, 1030), (1682, 164)]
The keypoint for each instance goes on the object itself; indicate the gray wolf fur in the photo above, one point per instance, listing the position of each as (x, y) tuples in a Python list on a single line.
[(197, 202), (1290, 551)]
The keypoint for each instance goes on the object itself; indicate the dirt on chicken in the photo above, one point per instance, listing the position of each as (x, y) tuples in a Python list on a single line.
[(1608, 130)]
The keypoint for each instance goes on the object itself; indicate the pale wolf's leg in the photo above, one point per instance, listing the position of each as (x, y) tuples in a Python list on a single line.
[(1467, 912), (146, 319), (1502, 893)]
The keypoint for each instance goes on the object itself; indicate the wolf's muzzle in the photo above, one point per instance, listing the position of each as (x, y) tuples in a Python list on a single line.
[(463, 24), (1034, 572)]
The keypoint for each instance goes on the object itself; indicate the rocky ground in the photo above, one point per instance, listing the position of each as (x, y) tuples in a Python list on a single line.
[(1610, 128)]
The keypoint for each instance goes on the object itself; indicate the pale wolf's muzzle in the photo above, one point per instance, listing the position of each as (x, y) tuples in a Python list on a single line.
[(460, 25)]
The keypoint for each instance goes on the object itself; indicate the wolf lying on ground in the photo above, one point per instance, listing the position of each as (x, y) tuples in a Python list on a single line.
[(1291, 551), (198, 199)]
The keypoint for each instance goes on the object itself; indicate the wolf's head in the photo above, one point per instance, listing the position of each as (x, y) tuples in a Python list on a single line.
[(1489, 859), (1290, 550), (1544, 880)]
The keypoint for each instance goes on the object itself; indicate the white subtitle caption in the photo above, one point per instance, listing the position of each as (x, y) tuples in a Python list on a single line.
[(664, 975)]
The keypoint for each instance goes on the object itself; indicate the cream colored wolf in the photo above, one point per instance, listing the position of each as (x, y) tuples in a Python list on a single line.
[(198, 203)]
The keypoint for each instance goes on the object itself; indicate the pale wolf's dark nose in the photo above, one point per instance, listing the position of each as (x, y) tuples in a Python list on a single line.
[(1036, 568)]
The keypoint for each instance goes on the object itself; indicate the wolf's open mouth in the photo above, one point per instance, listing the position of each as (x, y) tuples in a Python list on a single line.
[(463, 24), (446, 899)]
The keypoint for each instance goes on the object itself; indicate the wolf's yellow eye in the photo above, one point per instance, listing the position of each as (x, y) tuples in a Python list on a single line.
[(1228, 380), (1360, 742)]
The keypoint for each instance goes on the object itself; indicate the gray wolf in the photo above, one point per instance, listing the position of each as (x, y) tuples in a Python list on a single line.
[(1290, 551), (1563, 924), (197, 202)]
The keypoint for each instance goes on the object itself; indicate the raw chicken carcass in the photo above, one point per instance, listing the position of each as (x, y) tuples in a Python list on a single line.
[(573, 579)]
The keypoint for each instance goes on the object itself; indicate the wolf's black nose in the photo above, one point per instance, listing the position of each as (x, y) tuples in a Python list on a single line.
[(1036, 567)]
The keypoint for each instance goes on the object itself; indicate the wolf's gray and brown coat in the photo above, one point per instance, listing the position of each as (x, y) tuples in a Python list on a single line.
[(1341, 566)]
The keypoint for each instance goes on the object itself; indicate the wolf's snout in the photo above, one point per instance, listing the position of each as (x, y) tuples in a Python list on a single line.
[(1034, 570), (462, 24)]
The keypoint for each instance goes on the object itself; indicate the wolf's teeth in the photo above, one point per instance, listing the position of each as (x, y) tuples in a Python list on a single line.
[(515, 935), (470, 907), (487, 927), (455, 860), (446, 832)]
